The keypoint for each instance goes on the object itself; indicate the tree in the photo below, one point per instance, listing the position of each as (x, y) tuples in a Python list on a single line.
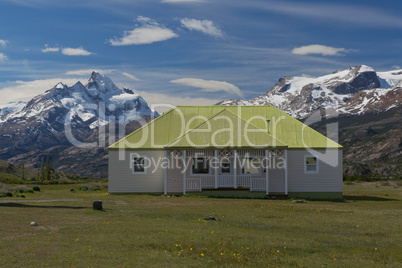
[(22, 170), (48, 168)]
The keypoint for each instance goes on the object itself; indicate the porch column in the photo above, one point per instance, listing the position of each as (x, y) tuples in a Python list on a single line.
[(184, 172), (286, 172), (216, 169), (266, 171), (235, 168), (165, 174)]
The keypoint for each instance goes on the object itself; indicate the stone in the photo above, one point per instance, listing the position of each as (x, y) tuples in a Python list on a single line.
[(97, 205), (33, 223)]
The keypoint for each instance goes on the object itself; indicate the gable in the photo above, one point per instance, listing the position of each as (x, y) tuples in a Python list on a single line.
[(201, 126)]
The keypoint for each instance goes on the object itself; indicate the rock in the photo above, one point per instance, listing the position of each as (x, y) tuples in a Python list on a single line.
[(97, 205), (299, 201), (210, 218), (33, 223)]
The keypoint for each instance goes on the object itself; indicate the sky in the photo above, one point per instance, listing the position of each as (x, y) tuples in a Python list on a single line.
[(194, 52)]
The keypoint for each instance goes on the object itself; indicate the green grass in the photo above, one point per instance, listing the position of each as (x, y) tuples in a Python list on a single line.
[(138, 230)]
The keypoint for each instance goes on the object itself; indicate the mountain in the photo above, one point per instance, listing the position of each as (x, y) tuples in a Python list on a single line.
[(367, 106), (12, 107), (65, 116), (343, 91)]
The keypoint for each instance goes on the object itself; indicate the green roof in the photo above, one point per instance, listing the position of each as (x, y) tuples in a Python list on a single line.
[(224, 127)]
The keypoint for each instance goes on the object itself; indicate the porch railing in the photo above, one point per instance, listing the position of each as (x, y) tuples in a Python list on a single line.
[(257, 184), (208, 182)]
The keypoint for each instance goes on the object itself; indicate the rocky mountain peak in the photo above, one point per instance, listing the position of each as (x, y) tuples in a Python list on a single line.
[(301, 95), (99, 84)]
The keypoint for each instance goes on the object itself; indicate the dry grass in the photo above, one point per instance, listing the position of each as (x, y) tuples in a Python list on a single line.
[(136, 230)]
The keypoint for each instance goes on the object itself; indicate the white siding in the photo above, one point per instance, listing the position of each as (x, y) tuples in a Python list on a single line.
[(175, 176), (122, 180), (276, 176), (328, 178)]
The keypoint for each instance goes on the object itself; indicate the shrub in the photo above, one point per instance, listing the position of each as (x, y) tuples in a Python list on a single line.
[(20, 189), (72, 190), (95, 188), (83, 188), (36, 188), (29, 191)]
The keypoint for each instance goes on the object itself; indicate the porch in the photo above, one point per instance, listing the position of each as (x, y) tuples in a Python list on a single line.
[(203, 170)]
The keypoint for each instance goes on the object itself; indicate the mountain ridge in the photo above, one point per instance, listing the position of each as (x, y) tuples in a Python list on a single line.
[(300, 96)]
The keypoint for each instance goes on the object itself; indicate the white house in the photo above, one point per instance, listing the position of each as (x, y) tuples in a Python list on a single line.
[(227, 151)]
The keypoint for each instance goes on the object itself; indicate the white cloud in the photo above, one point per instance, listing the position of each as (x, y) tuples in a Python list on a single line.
[(89, 71), (24, 91), (342, 13), (204, 26), (162, 103), (319, 49), (3, 57), (148, 33), (80, 51), (3, 43), (396, 67), (50, 49), (130, 76), (209, 85)]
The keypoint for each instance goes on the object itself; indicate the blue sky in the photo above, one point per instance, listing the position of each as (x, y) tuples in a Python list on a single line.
[(190, 51)]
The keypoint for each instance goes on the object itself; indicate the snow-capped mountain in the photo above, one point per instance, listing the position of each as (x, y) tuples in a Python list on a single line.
[(94, 104), (12, 107), (42, 122), (358, 86)]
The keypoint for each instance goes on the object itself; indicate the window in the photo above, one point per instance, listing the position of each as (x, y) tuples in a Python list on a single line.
[(200, 166), (310, 164), (225, 166), (138, 164), (250, 165)]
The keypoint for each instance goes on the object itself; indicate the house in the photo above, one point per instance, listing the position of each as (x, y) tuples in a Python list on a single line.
[(227, 151)]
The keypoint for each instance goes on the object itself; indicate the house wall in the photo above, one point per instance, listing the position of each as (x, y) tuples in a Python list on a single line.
[(122, 180), (276, 176), (328, 179), (175, 176)]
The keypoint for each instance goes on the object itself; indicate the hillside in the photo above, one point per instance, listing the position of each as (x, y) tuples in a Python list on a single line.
[(372, 143)]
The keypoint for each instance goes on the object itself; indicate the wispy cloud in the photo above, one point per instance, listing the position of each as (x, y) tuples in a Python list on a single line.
[(162, 102), (3, 57), (3, 43), (343, 13), (80, 51), (130, 76), (209, 85), (148, 33), (89, 71), (50, 49), (26, 90), (204, 26), (319, 49), (182, 1)]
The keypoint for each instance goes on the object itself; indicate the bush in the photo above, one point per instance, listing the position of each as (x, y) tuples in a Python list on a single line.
[(72, 190), (36, 188), (29, 191), (95, 188), (20, 189), (83, 188)]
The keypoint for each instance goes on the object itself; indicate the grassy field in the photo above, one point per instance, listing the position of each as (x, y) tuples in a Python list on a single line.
[(142, 230)]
